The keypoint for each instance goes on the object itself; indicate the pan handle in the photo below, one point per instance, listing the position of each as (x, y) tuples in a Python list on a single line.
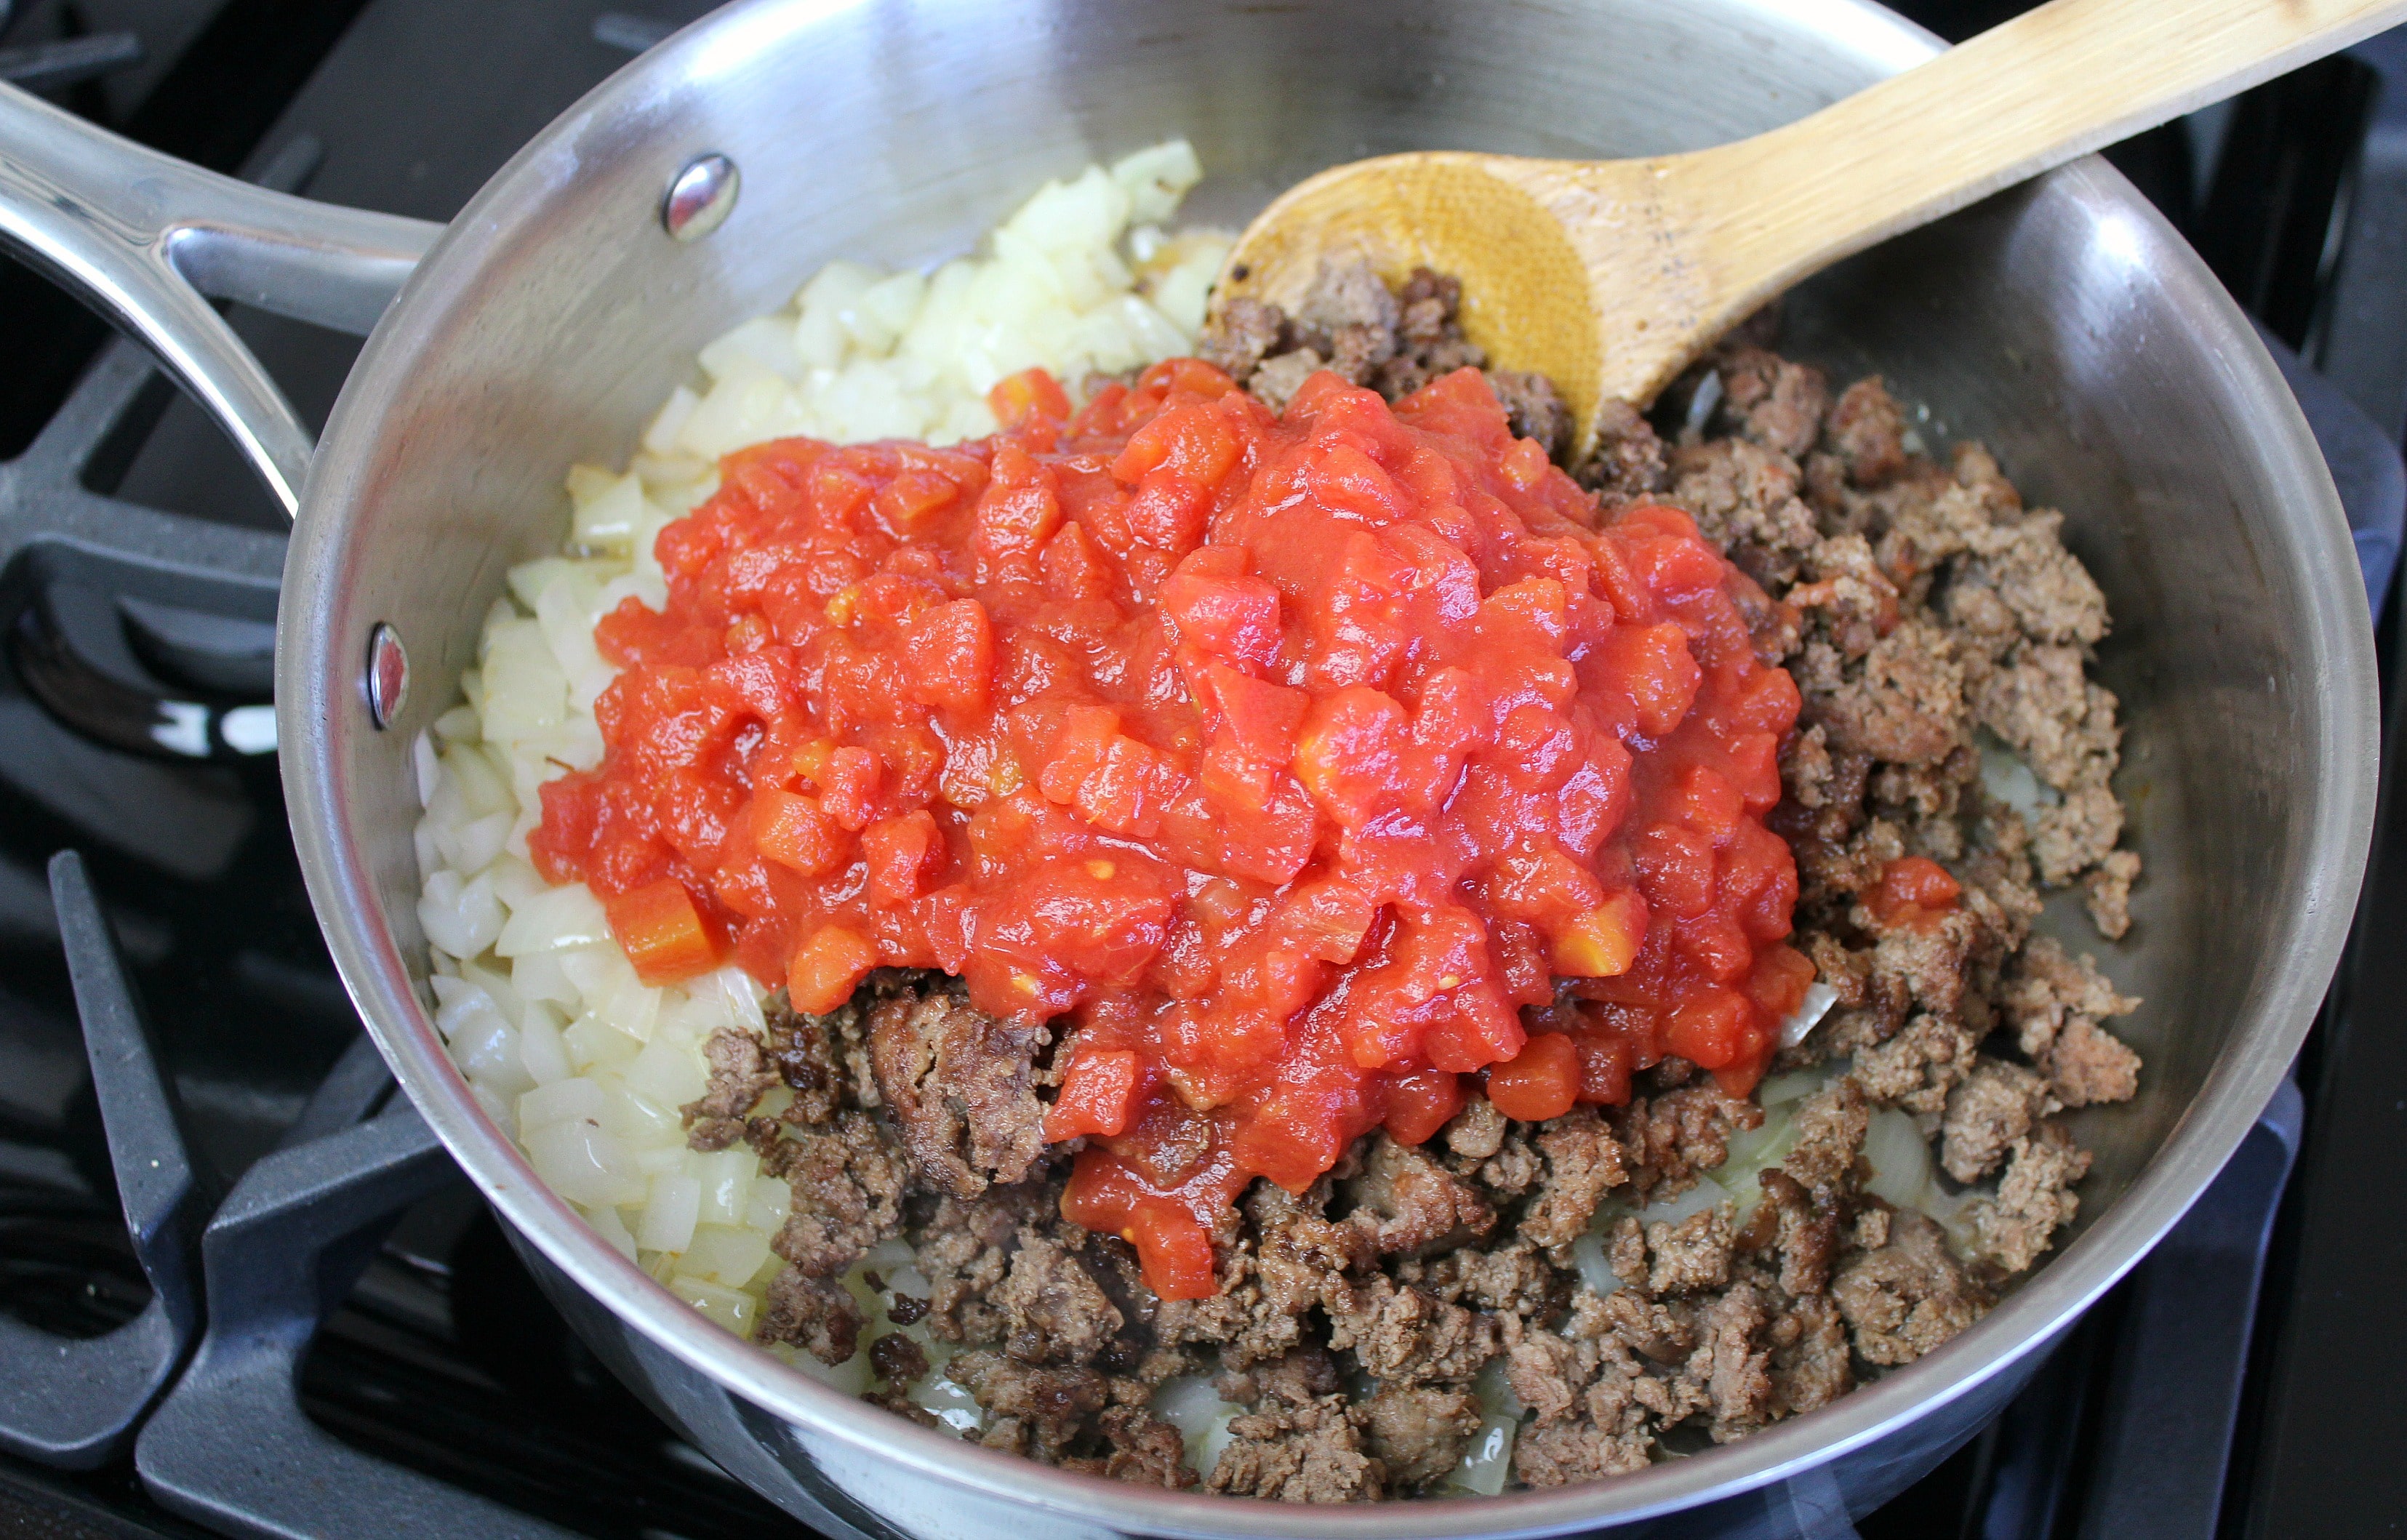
[(147, 241)]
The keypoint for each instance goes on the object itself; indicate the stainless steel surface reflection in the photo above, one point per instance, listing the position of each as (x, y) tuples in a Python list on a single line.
[(2064, 324)]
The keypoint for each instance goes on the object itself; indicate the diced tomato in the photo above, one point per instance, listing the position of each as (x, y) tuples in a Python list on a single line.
[(1291, 1141), (1655, 672), (1221, 610), (1291, 765), (790, 828), (1712, 1028), (909, 501), (1541, 1082), (1095, 1096), (1606, 1062), (1524, 463), (1676, 868), (948, 655), (1755, 770), (1262, 719), (1350, 751), (1910, 888), (1605, 941), (1018, 510), (825, 968), (1778, 983), (1194, 441), (662, 932), (1029, 396), (849, 779), (1710, 803), (903, 853), (1349, 481), (1173, 1250), (1421, 1104)]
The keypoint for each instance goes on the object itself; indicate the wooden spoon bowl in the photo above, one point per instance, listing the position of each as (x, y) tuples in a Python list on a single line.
[(1610, 276)]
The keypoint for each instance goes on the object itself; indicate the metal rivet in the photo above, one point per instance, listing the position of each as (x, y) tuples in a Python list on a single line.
[(701, 198), (388, 676)]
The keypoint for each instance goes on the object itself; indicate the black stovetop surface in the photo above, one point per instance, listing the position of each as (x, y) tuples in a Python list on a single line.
[(444, 1359)]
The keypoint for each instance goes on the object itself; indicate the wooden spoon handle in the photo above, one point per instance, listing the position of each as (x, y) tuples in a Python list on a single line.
[(2051, 85)]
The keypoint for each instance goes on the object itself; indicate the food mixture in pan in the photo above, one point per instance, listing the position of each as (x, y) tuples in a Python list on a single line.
[(1236, 922)]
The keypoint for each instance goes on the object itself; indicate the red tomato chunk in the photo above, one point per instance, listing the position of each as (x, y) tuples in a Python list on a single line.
[(1294, 761)]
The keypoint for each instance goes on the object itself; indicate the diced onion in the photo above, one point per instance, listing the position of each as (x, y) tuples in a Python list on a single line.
[(637, 1119), (1819, 998), (540, 1048), (1707, 1193), (772, 1201), (1487, 1461), (582, 1164), (727, 1177), (560, 1102), (668, 1213), (669, 1072), (730, 1307), (1595, 1270), (461, 918), (1900, 1158), (724, 1253), (2007, 778), (605, 1220), (423, 766), (1189, 1403), (566, 916), (488, 1052)]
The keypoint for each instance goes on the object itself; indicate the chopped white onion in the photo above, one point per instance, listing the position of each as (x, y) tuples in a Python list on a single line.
[(668, 1072), (728, 1254), (730, 1307), (2007, 777), (540, 1048), (1707, 1193), (606, 1220), (1595, 1270), (1487, 1461), (1819, 998), (726, 1177), (461, 918), (1900, 1158), (643, 1122), (1701, 405), (422, 763), (1189, 1403), (561, 1100), (582, 1164), (566, 916), (668, 1213), (771, 1202)]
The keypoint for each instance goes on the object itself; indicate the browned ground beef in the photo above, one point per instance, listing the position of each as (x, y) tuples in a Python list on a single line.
[(960, 1086), (1917, 605)]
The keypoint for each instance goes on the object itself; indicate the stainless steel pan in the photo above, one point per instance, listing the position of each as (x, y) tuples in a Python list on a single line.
[(2064, 324)]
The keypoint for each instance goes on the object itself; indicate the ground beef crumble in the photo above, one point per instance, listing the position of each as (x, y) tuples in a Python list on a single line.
[(958, 1084), (1929, 618)]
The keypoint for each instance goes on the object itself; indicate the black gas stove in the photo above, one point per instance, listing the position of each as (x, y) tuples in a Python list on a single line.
[(189, 1112)]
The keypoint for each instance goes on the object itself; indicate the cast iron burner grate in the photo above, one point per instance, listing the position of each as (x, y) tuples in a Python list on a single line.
[(306, 1325), (228, 1443)]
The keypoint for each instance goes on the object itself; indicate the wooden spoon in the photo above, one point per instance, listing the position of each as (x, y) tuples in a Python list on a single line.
[(1609, 277)]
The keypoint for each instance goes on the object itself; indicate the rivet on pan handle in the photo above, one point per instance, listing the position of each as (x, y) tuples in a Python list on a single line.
[(701, 196), (388, 676)]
